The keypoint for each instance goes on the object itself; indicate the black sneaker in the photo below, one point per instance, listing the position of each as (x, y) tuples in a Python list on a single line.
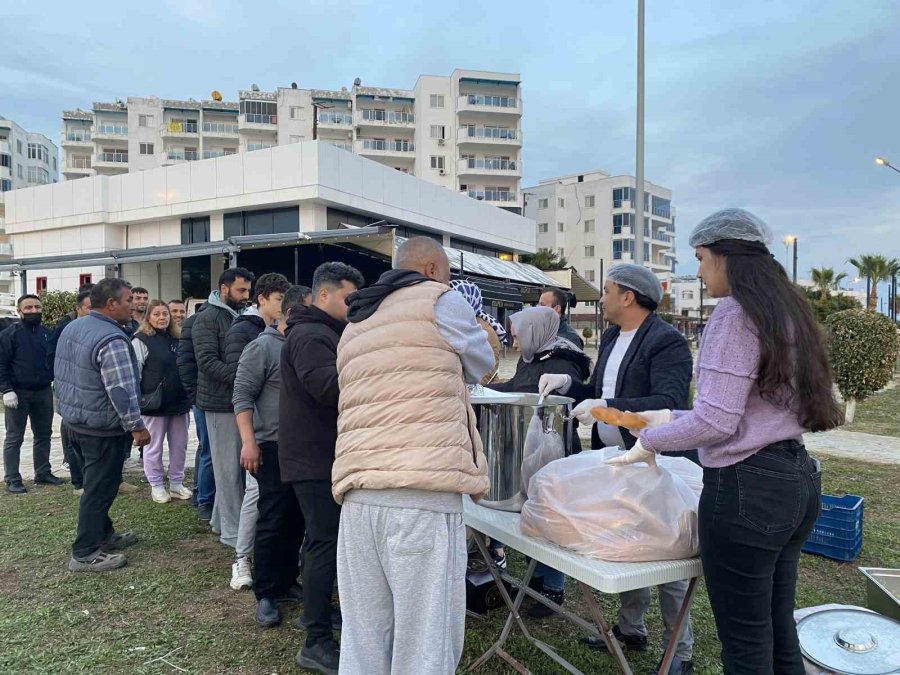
[(294, 594), (119, 541), (541, 611), (322, 657), (204, 511), (634, 643), (336, 619), (16, 487), (48, 479), (678, 667), (267, 614)]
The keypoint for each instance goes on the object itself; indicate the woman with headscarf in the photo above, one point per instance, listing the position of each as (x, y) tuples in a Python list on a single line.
[(496, 333)]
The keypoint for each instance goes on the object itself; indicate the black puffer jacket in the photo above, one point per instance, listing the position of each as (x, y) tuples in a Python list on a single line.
[(244, 330), (215, 378), (187, 362), (160, 369)]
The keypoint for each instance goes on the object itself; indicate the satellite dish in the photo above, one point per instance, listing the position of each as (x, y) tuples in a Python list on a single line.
[(293, 85), (357, 82), (254, 87), (216, 96)]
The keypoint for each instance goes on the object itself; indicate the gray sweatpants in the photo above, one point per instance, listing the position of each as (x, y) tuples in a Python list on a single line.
[(249, 515), (225, 447), (636, 603), (401, 578)]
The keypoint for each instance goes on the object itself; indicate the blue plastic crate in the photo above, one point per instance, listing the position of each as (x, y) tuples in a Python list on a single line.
[(838, 531)]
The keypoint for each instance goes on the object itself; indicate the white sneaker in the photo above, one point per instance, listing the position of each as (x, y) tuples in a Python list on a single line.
[(241, 576), (178, 491), (159, 494)]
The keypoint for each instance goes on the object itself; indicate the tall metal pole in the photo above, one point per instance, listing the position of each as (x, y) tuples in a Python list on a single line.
[(795, 259), (639, 150)]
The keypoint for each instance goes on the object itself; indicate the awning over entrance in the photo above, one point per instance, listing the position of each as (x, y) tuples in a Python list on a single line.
[(581, 288)]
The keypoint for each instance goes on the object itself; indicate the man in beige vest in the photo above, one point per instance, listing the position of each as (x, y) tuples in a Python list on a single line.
[(407, 451)]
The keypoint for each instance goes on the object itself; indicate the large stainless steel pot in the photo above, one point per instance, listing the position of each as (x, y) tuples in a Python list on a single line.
[(503, 424)]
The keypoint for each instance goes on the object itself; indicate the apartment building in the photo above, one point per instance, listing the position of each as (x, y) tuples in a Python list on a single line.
[(462, 132), (26, 159), (590, 220)]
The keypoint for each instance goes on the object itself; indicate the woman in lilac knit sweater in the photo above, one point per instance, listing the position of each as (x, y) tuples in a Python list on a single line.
[(763, 380)]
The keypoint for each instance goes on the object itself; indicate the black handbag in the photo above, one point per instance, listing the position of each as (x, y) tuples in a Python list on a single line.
[(153, 400)]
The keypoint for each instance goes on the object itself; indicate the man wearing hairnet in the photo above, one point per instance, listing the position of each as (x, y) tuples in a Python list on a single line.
[(643, 364)]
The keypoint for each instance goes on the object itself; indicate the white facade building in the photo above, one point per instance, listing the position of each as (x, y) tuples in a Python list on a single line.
[(462, 132), (589, 218), (172, 229), (686, 295), (26, 159)]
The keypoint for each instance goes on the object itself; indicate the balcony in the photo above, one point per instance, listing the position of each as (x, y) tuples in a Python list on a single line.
[(111, 160), (110, 132), (381, 148), (225, 129), (183, 156), (334, 120), (179, 129), (493, 196), (493, 167), (212, 154), (385, 118), (6, 249), (343, 146), (491, 104), (78, 166), (257, 122), (491, 135), (78, 139)]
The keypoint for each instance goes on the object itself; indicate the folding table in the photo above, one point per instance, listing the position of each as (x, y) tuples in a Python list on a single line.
[(590, 573)]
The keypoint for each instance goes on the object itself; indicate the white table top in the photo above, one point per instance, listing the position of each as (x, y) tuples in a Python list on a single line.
[(606, 577)]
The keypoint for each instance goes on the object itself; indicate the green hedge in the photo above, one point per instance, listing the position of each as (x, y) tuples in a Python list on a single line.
[(55, 305), (864, 347)]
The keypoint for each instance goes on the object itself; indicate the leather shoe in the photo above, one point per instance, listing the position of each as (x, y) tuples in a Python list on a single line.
[(635, 643), (267, 614), (678, 667), (16, 487), (48, 479)]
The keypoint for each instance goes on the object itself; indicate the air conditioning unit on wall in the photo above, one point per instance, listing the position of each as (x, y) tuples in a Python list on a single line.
[(441, 141), (442, 172)]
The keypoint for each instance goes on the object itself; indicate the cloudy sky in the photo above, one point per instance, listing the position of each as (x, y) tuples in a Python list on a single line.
[(778, 107)]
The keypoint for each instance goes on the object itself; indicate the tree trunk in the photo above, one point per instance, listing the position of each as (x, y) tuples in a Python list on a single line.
[(850, 412)]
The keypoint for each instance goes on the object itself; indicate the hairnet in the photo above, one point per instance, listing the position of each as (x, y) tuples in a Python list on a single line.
[(730, 224), (637, 278)]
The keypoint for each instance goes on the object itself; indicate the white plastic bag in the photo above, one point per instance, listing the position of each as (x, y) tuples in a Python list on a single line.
[(541, 448), (630, 513)]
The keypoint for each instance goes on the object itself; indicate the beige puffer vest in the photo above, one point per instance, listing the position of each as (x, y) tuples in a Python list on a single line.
[(404, 415)]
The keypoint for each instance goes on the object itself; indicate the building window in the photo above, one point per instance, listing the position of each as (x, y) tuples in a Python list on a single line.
[(38, 151), (588, 226), (5, 160), (5, 185), (542, 203), (145, 120), (437, 101), (145, 148), (543, 228), (295, 112), (589, 201), (19, 147), (19, 172), (621, 220), (194, 230), (617, 249), (40, 284), (437, 162), (560, 202), (589, 275), (259, 112), (588, 251), (438, 131), (38, 175), (265, 221), (54, 164), (662, 207), (687, 295), (560, 227), (622, 194), (258, 146), (85, 279)]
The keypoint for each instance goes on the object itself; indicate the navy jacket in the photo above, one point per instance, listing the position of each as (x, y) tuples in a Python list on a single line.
[(25, 358), (655, 373)]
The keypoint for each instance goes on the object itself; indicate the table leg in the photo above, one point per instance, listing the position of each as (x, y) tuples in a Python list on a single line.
[(669, 654), (612, 644)]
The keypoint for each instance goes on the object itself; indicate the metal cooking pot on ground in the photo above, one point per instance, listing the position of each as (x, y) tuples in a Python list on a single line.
[(503, 422)]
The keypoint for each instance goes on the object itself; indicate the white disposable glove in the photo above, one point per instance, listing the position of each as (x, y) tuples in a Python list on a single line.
[(10, 400), (582, 411), (655, 418), (551, 383), (637, 454)]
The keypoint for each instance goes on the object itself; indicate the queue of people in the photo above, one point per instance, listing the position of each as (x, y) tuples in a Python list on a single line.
[(336, 437)]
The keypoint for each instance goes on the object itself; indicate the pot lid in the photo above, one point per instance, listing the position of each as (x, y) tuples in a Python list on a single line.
[(851, 641)]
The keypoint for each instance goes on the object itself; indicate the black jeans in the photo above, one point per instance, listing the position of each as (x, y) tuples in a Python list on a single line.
[(102, 458), (71, 456), (38, 406), (279, 530), (323, 516), (754, 518)]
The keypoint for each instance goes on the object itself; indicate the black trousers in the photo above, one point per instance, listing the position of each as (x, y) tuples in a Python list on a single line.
[(754, 518), (323, 516), (38, 407), (279, 530), (102, 459), (71, 456)]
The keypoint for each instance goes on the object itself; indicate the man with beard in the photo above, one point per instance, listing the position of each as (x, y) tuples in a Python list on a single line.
[(140, 298), (215, 384)]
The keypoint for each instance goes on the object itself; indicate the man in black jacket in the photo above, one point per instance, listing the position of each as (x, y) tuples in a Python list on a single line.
[(558, 301), (25, 377), (215, 379), (643, 364), (309, 402)]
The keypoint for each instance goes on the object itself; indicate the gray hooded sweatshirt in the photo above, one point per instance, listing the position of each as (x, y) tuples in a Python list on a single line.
[(258, 383)]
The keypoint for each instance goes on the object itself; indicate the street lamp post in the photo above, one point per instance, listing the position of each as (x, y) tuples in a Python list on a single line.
[(881, 161), (639, 148), (788, 240)]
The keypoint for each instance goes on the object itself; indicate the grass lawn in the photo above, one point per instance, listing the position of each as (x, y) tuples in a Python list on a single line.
[(879, 414), (174, 593)]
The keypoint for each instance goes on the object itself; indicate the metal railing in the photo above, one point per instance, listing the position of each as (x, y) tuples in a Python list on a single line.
[(79, 163), (490, 101), (258, 146), (112, 129), (212, 154), (220, 128), (254, 118), (335, 118), (120, 157), (179, 127), (79, 136), (489, 164), (492, 195), (388, 116), (489, 133), (187, 155), (388, 146), (344, 146)]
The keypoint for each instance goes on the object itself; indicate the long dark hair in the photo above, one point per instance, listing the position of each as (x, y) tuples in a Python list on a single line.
[(793, 367)]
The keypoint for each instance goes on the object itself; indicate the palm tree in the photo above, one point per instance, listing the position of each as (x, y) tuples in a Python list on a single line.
[(826, 280), (546, 260), (875, 268)]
